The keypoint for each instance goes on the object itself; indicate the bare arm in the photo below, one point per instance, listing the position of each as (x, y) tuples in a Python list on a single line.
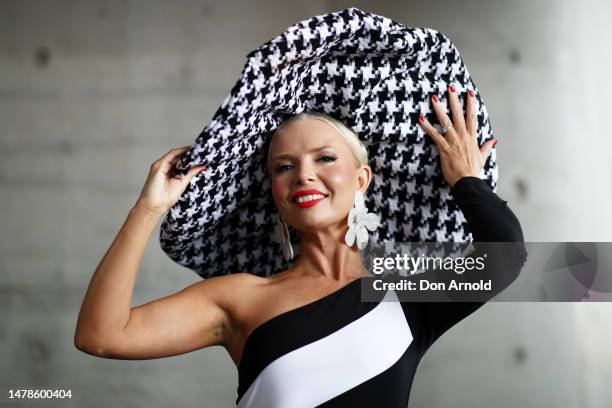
[(107, 325), (106, 307)]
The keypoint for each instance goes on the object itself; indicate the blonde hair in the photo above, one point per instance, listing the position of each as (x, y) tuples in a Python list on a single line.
[(356, 146)]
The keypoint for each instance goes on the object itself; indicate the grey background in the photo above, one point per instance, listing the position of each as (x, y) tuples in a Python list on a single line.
[(92, 92)]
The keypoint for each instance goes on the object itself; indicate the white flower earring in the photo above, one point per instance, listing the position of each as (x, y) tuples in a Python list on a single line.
[(281, 236), (359, 222)]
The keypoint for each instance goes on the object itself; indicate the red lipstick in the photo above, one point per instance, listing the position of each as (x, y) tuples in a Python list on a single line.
[(310, 202)]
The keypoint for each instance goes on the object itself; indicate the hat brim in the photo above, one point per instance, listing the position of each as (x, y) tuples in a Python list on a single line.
[(368, 71)]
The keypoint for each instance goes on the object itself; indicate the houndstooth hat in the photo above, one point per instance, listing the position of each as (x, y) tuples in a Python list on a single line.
[(368, 71)]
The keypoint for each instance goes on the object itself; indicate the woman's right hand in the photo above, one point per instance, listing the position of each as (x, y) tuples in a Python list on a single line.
[(161, 191)]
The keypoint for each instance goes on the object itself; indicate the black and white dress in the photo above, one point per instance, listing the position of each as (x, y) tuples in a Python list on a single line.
[(341, 352)]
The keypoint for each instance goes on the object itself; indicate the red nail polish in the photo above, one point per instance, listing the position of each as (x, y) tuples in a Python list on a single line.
[(435, 98), (421, 118), (471, 92), (452, 88), (495, 142)]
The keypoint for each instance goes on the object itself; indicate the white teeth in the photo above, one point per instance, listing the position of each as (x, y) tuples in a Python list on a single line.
[(311, 197)]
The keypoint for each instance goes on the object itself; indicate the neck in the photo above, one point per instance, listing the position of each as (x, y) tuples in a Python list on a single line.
[(324, 253)]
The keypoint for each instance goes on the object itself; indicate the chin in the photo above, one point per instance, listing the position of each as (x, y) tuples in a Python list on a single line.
[(316, 222)]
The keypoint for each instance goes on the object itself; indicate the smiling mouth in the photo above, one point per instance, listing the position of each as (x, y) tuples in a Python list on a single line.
[(309, 198)]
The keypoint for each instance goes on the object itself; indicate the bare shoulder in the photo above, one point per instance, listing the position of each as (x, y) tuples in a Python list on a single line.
[(240, 293), (252, 295), (227, 288), (231, 280), (244, 290)]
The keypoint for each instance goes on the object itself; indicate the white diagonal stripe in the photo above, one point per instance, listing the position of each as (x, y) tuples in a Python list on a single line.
[(321, 370)]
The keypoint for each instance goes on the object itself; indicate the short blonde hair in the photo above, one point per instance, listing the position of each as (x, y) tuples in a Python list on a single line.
[(356, 146)]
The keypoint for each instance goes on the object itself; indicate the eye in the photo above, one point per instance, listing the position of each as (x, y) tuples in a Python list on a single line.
[(327, 158), (281, 168)]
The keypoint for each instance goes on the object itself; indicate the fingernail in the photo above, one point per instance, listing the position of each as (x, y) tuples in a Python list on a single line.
[(495, 142), (452, 88), (421, 118), (471, 92), (435, 98)]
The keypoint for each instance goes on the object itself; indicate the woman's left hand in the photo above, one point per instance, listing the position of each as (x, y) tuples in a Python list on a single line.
[(460, 154)]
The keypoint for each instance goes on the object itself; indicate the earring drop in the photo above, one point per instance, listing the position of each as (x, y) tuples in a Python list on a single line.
[(281, 236)]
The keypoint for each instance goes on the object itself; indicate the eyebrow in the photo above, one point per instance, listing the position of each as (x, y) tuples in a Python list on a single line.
[(289, 156)]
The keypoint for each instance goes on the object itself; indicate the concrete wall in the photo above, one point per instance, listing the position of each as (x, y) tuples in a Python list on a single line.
[(92, 92)]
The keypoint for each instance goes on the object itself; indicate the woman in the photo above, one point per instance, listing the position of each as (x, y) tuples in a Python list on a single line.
[(301, 337)]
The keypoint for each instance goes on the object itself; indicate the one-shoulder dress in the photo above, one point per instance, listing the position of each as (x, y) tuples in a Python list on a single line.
[(339, 351)]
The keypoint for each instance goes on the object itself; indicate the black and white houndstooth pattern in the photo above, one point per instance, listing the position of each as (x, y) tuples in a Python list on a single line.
[(374, 74)]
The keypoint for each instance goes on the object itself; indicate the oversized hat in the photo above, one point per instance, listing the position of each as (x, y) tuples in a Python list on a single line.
[(368, 71)]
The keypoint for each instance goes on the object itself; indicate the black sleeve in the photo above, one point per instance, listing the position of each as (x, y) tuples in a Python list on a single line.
[(489, 219)]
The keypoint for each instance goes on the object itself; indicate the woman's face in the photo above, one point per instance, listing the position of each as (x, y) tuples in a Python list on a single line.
[(309, 154)]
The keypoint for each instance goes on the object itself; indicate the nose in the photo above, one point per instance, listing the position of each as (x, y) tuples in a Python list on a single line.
[(305, 173)]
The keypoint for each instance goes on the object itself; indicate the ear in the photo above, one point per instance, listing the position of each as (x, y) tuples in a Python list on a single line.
[(364, 177)]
